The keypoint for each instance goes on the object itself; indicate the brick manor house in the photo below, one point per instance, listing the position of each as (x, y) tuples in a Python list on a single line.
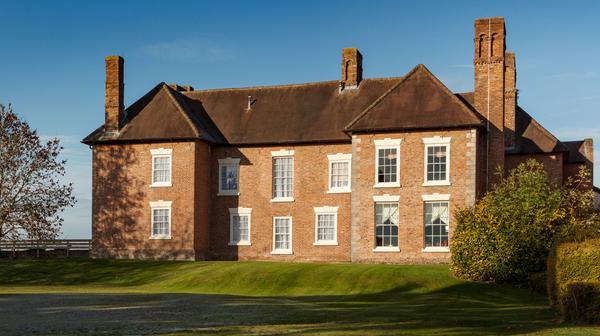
[(356, 169)]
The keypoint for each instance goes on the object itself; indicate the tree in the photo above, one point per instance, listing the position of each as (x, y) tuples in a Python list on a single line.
[(32, 195)]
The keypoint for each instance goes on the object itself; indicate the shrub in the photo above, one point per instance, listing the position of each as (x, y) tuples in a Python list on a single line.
[(574, 280), (507, 234)]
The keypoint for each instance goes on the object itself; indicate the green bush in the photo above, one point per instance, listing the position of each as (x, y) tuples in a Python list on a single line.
[(574, 280), (506, 236), (580, 302)]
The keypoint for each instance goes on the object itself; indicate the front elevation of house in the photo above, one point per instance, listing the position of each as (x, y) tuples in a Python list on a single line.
[(356, 169)]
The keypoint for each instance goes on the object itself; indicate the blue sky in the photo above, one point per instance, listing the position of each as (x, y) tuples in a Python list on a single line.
[(52, 56)]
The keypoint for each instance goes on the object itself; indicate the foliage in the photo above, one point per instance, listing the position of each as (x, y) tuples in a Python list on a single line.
[(574, 280), (31, 193), (507, 234)]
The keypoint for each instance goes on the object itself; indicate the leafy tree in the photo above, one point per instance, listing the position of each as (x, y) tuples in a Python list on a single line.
[(507, 235), (32, 195)]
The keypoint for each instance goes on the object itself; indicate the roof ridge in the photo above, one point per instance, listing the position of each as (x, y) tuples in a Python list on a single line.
[(276, 86)]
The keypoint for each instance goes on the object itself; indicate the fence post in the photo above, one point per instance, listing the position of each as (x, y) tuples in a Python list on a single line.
[(68, 247), (14, 249)]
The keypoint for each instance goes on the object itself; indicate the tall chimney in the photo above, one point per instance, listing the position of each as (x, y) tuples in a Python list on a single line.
[(351, 68), (488, 62), (510, 100), (113, 97)]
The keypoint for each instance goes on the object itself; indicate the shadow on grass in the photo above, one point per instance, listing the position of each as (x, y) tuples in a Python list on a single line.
[(463, 309)]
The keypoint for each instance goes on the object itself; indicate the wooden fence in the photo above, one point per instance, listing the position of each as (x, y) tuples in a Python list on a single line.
[(66, 245)]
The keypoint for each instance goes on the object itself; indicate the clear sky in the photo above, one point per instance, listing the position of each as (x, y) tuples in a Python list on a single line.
[(52, 56)]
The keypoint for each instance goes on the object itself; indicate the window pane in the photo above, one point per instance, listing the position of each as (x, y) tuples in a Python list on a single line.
[(386, 224), (282, 234), (240, 229), (162, 169), (326, 227), (339, 174), (387, 165), (229, 178), (436, 224), (160, 222), (283, 177), (436, 163)]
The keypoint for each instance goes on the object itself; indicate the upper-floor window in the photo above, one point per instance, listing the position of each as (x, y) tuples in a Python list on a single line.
[(228, 176), (160, 220), (326, 225), (239, 226), (283, 176), (339, 173), (161, 167), (437, 161), (436, 220), (387, 162)]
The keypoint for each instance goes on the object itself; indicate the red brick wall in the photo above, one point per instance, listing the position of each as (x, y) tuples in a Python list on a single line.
[(121, 195), (411, 227), (255, 191), (202, 206), (553, 164)]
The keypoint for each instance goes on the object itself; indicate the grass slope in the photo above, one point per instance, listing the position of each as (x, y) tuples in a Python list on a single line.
[(320, 299)]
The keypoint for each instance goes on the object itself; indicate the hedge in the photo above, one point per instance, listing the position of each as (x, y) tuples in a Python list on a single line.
[(574, 280)]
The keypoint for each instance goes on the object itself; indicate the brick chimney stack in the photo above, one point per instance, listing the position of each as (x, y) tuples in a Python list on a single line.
[(510, 100), (489, 60), (113, 97), (351, 68)]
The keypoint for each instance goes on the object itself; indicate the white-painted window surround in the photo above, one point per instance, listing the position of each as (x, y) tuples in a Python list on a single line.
[(282, 235), (339, 173), (387, 163), (240, 221), (229, 170), (160, 220), (161, 167), (326, 225), (283, 176), (437, 161)]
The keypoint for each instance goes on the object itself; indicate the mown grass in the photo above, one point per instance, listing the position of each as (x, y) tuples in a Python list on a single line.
[(315, 299)]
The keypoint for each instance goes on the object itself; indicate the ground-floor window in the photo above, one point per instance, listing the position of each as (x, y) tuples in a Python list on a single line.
[(436, 224), (239, 224), (160, 220), (282, 235), (386, 225), (326, 225)]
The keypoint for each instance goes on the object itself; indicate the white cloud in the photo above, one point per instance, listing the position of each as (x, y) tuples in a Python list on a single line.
[(190, 49)]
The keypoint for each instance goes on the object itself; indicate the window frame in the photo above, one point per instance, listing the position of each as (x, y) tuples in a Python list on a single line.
[(277, 155), (389, 199), (282, 251), (326, 210), (387, 143), (339, 158), (240, 211), (436, 141), (436, 198), (160, 205), (229, 162), (161, 153)]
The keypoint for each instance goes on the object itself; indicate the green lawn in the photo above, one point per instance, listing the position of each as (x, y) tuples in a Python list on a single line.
[(296, 298)]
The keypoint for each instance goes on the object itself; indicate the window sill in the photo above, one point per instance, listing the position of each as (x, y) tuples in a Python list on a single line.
[(239, 244), (228, 193), (436, 249), (160, 237), (387, 185), (282, 200), (386, 249), (281, 252), (436, 183), (326, 243), (160, 185), (339, 191)]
